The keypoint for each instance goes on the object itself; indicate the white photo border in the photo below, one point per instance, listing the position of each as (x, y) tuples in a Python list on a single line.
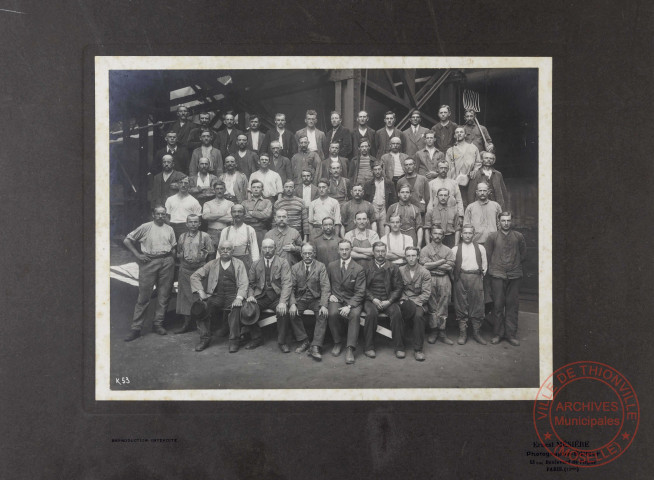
[(104, 64)]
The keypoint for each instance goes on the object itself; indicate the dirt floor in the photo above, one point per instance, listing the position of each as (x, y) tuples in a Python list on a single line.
[(170, 362)]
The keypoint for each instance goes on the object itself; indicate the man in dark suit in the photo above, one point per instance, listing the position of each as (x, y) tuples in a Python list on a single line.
[(307, 190), (164, 184), (182, 126), (341, 135), (381, 193), (310, 290), (383, 135), (180, 155), (363, 131), (194, 140), (257, 141), (286, 138), (227, 136), (414, 136), (270, 287), (348, 283), (383, 291)]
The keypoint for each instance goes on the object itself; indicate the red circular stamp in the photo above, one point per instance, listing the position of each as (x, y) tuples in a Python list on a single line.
[(586, 414)]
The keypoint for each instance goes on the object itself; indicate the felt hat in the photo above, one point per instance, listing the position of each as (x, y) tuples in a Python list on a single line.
[(249, 313), (199, 310)]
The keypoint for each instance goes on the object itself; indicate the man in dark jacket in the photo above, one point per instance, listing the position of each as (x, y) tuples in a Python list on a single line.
[(348, 282), (164, 184), (180, 155), (506, 252), (383, 291), (270, 287), (310, 290), (381, 193)]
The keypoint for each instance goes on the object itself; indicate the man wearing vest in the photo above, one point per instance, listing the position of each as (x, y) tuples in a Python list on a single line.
[(193, 249), (348, 282), (383, 291), (242, 237), (310, 290), (469, 269), (226, 283), (270, 287), (410, 217)]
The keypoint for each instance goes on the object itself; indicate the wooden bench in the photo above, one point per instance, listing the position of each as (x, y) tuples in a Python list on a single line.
[(268, 317)]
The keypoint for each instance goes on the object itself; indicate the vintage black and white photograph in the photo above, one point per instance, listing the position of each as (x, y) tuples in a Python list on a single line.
[(322, 228)]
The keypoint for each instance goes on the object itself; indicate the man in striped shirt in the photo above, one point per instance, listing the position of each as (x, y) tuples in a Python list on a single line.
[(297, 212)]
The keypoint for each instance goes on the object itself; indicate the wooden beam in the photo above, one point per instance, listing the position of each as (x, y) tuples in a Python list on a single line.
[(428, 85), (388, 95), (347, 113), (389, 76), (338, 99), (410, 85), (428, 94)]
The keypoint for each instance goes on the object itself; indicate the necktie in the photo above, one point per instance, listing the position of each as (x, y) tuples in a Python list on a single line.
[(307, 270), (343, 269)]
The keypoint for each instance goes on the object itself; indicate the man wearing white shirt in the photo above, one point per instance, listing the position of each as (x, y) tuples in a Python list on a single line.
[(362, 239), (317, 138), (285, 137), (394, 161), (236, 183), (322, 207), (257, 140), (201, 184), (396, 242), (443, 181), (180, 206), (242, 237), (272, 182), (464, 161), (470, 266), (217, 212), (307, 191)]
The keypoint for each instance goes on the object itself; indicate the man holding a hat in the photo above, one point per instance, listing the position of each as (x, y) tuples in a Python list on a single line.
[(226, 283), (270, 288)]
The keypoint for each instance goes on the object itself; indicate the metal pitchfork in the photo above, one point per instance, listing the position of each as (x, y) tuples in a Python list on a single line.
[(471, 102)]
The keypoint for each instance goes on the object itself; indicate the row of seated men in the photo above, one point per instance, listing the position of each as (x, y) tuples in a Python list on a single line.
[(413, 287)]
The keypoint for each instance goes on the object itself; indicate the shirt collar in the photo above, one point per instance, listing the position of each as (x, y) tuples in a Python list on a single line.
[(347, 262)]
